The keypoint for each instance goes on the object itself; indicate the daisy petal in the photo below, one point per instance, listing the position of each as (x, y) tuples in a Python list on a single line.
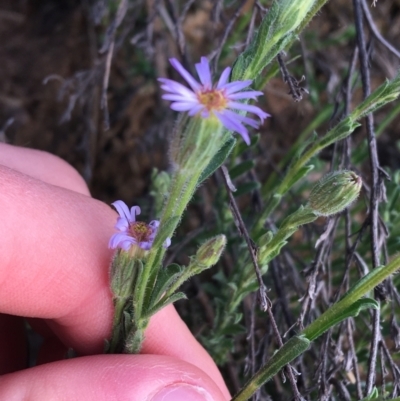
[(179, 98), (233, 124), (122, 210), (195, 109), (185, 74), (245, 95), (167, 243), (175, 87), (203, 70), (236, 86), (224, 78), (248, 107), (242, 119), (182, 106)]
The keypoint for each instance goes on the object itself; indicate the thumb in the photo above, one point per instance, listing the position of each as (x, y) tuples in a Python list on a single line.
[(111, 377)]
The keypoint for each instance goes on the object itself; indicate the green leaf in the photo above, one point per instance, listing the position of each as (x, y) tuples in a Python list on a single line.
[(233, 330), (373, 396), (166, 277), (302, 146), (218, 159), (242, 146), (351, 311), (298, 175), (165, 302), (290, 350), (165, 230), (246, 187), (241, 168)]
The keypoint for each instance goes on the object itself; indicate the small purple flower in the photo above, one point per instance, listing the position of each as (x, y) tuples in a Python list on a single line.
[(133, 232), (218, 100)]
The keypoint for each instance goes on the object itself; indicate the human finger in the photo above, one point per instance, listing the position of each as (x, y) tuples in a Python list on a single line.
[(55, 267), (112, 377)]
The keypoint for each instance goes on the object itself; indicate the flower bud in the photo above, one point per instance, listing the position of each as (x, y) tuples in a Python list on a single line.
[(210, 252), (334, 192)]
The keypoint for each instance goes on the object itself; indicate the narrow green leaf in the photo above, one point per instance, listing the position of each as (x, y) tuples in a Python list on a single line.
[(241, 168), (166, 230), (233, 330), (165, 302), (166, 277), (242, 146), (351, 311), (218, 159), (246, 187), (298, 175)]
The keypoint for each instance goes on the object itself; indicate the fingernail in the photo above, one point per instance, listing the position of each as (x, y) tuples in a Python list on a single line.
[(182, 392)]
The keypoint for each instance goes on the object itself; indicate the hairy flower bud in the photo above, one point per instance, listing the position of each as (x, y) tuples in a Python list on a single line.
[(334, 192), (210, 252)]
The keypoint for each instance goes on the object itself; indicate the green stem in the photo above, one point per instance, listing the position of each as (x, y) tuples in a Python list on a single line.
[(366, 284), (192, 162), (299, 344), (119, 305)]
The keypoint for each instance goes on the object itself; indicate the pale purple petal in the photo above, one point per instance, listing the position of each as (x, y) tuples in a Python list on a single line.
[(167, 243), (181, 106), (243, 119), (232, 123), (123, 210), (248, 107), (154, 224), (121, 240), (245, 95), (178, 98), (175, 87), (203, 70), (122, 224), (185, 74), (224, 78), (195, 109), (236, 86), (146, 245), (205, 113), (135, 211)]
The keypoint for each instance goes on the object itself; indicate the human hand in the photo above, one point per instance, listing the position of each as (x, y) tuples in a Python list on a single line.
[(54, 271)]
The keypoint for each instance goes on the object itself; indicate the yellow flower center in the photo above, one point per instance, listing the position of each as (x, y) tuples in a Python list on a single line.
[(140, 231), (212, 99)]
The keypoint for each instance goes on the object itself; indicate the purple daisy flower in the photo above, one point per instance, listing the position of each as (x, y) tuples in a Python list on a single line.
[(133, 232), (218, 100)]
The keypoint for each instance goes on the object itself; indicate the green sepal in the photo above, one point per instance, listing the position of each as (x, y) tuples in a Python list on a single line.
[(218, 159), (165, 230), (166, 277), (165, 302), (241, 168)]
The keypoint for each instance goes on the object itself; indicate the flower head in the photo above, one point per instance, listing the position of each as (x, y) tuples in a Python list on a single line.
[(132, 232), (218, 100)]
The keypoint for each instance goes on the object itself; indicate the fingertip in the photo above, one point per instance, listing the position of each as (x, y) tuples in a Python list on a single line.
[(43, 166), (112, 377)]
